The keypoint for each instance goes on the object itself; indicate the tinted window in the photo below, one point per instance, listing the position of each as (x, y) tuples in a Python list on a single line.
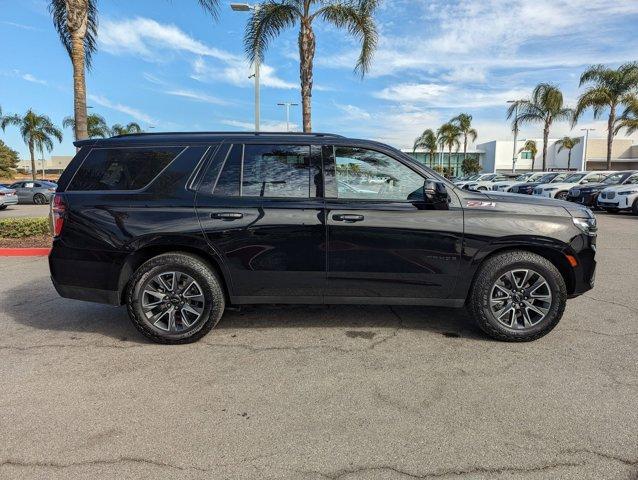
[(228, 181), (632, 180), (122, 168), (615, 178), (276, 171), (366, 174)]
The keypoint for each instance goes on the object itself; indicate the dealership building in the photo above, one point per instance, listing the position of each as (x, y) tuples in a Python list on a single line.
[(496, 156)]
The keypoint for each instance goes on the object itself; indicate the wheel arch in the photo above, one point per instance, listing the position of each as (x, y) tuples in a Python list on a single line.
[(555, 254), (138, 257)]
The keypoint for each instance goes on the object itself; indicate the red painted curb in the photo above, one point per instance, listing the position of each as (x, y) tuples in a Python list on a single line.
[(24, 252)]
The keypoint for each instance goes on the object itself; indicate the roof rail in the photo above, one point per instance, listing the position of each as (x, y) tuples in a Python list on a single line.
[(268, 134)]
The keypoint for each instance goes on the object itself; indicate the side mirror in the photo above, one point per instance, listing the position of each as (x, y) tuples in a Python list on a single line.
[(435, 195)]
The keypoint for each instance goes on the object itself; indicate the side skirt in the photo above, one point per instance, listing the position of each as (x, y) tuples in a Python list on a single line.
[(330, 300)]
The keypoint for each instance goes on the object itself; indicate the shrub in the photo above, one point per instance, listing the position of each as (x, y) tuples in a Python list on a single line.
[(24, 227)]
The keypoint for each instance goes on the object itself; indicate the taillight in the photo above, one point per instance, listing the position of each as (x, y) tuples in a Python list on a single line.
[(58, 211)]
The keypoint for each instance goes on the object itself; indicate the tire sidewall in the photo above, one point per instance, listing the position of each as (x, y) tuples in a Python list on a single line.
[(557, 288), (213, 297)]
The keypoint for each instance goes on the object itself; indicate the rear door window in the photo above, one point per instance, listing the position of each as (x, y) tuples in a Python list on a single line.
[(122, 168)]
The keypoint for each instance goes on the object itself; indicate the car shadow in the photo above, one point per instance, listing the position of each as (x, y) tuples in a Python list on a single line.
[(37, 305)]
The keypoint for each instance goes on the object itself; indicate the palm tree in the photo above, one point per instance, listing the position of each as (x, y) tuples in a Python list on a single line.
[(127, 129), (448, 135), (545, 106), (568, 143), (628, 119), (273, 16), (7, 120), (427, 141), (530, 146), (464, 124), (608, 89), (76, 23), (37, 132), (96, 126)]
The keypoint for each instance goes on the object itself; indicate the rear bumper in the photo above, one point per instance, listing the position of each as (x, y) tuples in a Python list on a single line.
[(109, 297), (6, 200)]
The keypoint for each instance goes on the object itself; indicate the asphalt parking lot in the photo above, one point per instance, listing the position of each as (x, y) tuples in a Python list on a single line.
[(25, 210), (339, 392)]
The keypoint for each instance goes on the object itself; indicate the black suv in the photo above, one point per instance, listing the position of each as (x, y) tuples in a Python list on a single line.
[(587, 194), (177, 226)]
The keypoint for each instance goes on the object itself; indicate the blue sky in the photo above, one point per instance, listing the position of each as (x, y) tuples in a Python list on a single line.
[(166, 64)]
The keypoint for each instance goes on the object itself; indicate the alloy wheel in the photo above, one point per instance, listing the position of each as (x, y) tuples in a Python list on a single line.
[(520, 299), (172, 301)]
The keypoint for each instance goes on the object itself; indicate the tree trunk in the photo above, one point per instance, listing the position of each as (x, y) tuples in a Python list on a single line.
[(464, 147), (569, 158), (545, 139), (610, 134), (449, 163), (306, 56), (79, 87), (31, 151)]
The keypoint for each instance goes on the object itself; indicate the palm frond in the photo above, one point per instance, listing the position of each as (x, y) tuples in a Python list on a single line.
[(266, 23), (66, 22), (358, 19)]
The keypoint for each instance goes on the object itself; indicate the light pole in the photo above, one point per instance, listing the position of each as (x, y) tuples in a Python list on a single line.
[(245, 7), (287, 105), (583, 164), (514, 153)]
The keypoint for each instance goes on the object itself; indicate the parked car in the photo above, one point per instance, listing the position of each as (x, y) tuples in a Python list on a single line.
[(38, 192), (7, 197), (475, 177), (621, 197), (528, 187), (559, 189), (505, 185), (485, 183), (178, 226), (588, 194)]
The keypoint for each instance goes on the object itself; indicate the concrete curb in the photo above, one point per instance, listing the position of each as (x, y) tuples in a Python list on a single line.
[(24, 252)]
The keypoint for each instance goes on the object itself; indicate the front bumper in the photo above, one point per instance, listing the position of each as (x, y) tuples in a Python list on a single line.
[(620, 201), (587, 199)]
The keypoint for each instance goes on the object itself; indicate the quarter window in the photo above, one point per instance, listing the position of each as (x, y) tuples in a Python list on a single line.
[(367, 174), (122, 168)]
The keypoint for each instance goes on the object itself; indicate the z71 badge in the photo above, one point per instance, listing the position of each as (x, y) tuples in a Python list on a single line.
[(479, 204)]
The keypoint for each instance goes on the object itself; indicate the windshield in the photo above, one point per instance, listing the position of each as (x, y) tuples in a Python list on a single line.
[(488, 177), (473, 177), (538, 176), (613, 179), (523, 177), (574, 177), (633, 180)]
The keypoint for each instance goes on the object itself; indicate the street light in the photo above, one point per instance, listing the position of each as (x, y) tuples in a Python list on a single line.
[(245, 7), (288, 105), (514, 153), (583, 164)]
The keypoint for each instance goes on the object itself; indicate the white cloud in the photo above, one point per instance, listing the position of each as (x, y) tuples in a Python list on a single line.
[(197, 96), (265, 125), (447, 96), (133, 112), (31, 78), (353, 112), (152, 40)]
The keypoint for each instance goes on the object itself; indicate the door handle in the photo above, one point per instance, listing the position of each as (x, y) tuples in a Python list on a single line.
[(229, 216), (340, 217)]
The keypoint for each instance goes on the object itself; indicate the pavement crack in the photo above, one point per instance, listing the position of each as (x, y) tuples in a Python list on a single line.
[(67, 345), (97, 462), (610, 302), (608, 456)]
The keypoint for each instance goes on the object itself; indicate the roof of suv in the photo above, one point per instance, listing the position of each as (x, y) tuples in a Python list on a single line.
[(200, 137)]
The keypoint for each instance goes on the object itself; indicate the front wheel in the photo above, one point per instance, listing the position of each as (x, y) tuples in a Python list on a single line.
[(561, 196), (634, 208), (175, 298), (2, 207), (517, 296)]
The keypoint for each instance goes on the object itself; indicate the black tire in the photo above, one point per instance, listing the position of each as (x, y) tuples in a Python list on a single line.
[(197, 269), (39, 199), (491, 270), (634, 208), (561, 196), (2, 207), (612, 210)]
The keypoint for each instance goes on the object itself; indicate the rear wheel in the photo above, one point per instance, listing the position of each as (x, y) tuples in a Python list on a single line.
[(39, 199), (175, 298), (2, 207), (634, 208), (517, 296)]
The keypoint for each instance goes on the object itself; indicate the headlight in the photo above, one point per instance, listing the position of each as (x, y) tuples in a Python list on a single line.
[(587, 225), (551, 189), (628, 192)]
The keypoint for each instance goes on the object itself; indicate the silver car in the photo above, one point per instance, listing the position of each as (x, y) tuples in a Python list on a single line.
[(38, 192), (7, 197)]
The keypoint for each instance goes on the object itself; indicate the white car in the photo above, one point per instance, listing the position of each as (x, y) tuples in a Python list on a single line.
[(559, 190), (621, 197), (485, 183), (7, 197), (476, 177), (524, 178)]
